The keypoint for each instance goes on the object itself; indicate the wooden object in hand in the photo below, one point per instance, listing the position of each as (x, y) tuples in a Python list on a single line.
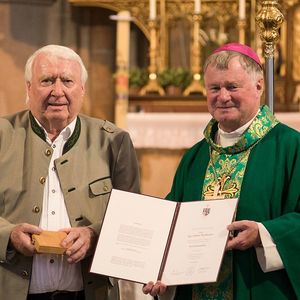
[(49, 242)]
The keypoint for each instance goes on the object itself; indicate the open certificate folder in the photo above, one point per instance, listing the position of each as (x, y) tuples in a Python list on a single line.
[(146, 239)]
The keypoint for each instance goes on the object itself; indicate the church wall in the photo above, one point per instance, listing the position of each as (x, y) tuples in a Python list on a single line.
[(22, 28), (25, 26), (158, 167)]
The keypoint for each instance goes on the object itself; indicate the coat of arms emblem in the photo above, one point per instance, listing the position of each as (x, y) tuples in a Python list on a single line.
[(205, 211)]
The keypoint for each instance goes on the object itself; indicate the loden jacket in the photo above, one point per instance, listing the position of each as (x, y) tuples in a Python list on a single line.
[(96, 158)]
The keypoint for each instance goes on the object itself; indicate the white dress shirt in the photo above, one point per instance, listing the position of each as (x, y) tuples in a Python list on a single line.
[(53, 272)]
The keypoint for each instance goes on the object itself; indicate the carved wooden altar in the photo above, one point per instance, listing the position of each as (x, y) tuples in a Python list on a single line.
[(219, 23)]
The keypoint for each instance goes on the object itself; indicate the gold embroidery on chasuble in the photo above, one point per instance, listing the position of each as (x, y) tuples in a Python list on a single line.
[(223, 179), (224, 175)]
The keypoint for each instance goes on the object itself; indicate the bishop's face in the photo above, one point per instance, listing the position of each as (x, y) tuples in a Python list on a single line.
[(233, 95), (55, 92)]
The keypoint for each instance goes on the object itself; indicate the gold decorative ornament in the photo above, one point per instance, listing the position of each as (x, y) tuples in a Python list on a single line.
[(217, 189), (269, 19), (221, 21)]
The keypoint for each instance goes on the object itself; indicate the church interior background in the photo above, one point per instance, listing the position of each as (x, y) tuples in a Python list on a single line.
[(120, 39)]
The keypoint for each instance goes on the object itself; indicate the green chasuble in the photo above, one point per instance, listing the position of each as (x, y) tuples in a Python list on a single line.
[(270, 194)]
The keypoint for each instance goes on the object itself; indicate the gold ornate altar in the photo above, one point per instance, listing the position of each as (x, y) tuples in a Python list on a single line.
[(179, 36)]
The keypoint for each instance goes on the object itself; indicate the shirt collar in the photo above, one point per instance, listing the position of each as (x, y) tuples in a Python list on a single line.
[(226, 139), (64, 134)]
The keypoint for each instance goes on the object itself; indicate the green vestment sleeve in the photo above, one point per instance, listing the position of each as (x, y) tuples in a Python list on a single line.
[(270, 194)]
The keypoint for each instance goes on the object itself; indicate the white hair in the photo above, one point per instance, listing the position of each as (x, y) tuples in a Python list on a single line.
[(56, 51)]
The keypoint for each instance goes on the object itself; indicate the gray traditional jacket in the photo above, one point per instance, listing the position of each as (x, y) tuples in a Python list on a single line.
[(97, 157)]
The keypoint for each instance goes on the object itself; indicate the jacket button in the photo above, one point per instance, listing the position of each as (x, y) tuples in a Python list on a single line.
[(36, 209), (48, 152), (105, 188), (42, 180), (24, 274)]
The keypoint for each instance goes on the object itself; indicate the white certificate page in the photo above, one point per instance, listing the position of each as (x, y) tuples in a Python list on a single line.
[(133, 237), (198, 242)]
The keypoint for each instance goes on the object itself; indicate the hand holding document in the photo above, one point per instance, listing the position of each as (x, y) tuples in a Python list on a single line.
[(144, 239)]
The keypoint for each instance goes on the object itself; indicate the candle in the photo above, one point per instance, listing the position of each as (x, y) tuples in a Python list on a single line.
[(197, 6), (152, 8), (242, 9)]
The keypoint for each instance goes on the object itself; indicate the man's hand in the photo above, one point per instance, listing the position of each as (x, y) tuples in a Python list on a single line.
[(154, 289), (83, 240), (247, 237), (20, 238)]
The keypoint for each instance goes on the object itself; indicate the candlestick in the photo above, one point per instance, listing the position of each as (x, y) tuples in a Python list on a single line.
[(242, 9), (197, 6), (241, 27), (195, 86), (152, 86), (152, 8)]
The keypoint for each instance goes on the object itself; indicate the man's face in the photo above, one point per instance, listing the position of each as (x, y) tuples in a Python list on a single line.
[(55, 91), (233, 96)]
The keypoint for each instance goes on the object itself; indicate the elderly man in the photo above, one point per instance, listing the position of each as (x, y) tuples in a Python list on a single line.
[(57, 170), (246, 153)]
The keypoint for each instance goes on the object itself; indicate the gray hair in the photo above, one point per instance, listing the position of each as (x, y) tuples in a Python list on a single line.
[(220, 60), (56, 51)]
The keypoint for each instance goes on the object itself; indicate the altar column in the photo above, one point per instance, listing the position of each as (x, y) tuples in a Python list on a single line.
[(122, 74)]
